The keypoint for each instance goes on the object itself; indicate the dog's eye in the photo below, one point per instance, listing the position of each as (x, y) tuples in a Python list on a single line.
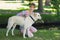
[(38, 15)]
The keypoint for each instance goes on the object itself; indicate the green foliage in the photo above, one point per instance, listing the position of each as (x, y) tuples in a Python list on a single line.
[(56, 4), (50, 18), (4, 18)]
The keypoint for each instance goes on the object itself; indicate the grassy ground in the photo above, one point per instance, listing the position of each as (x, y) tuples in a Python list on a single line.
[(39, 35)]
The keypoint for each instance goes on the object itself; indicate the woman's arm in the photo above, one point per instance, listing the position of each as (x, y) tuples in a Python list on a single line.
[(20, 13), (23, 13)]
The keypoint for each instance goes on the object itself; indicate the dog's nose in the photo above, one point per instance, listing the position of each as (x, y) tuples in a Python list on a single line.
[(40, 21)]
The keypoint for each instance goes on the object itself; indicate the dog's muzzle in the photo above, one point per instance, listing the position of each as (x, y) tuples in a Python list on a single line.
[(39, 21)]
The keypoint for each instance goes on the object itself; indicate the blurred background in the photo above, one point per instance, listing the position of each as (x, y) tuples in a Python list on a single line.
[(49, 10)]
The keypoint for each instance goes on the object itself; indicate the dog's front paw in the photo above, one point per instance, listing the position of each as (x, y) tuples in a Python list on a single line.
[(6, 35), (24, 37), (12, 34)]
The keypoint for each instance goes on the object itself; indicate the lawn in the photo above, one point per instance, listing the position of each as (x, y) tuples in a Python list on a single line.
[(39, 35)]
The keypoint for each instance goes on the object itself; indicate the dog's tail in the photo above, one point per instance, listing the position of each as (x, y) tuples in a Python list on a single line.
[(10, 22)]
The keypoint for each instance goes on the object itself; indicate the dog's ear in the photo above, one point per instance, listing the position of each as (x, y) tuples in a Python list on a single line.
[(34, 14)]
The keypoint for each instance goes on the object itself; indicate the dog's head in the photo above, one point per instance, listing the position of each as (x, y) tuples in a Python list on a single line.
[(37, 16)]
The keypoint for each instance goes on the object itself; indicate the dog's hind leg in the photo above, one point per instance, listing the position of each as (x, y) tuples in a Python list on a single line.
[(9, 26), (13, 29)]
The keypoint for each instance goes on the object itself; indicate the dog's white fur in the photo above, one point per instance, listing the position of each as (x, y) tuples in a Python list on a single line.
[(19, 20)]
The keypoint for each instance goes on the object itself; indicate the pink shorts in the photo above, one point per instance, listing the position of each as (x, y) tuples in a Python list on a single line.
[(30, 31)]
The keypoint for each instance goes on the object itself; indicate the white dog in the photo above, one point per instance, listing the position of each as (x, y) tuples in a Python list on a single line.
[(25, 22)]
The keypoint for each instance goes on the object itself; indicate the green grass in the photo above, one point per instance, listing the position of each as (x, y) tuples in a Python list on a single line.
[(39, 35)]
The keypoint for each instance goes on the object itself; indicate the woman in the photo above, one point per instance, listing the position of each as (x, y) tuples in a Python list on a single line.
[(25, 14)]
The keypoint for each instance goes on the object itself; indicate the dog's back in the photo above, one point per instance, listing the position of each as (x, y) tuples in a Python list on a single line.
[(16, 20)]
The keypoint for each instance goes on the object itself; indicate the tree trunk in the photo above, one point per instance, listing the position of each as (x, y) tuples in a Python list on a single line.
[(40, 6), (22, 1), (47, 2)]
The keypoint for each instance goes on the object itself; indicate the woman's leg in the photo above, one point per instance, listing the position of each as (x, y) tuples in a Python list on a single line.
[(29, 33), (21, 29)]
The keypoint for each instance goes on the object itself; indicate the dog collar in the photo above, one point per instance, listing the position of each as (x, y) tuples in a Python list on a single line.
[(32, 18)]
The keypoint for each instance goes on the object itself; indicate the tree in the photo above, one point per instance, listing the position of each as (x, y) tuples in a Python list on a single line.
[(56, 4), (40, 6), (22, 1), (47, 2)]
